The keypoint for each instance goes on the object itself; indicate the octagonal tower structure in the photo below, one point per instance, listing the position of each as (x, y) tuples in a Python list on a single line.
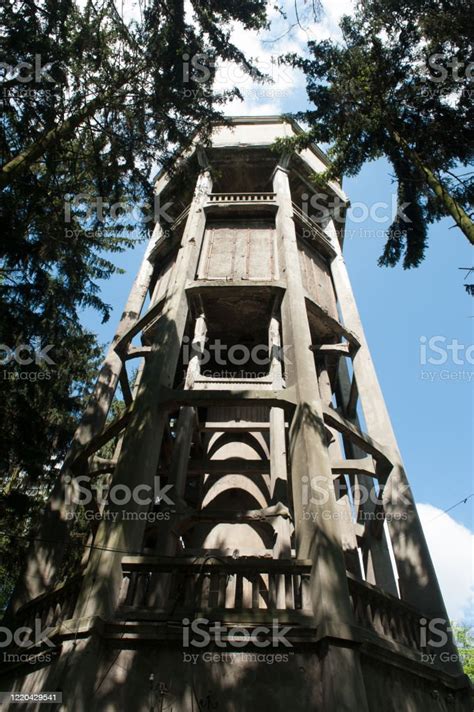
[(279, 561)]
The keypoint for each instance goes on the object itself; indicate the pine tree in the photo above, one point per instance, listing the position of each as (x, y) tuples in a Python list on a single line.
[(392, 89)]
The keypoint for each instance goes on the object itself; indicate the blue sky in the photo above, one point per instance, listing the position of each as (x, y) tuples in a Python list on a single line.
[(432, 418), (432, 414)]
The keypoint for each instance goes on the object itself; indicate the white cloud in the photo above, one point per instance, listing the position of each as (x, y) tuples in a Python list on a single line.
[(451, 546), (328, 25), (247, 107), (284, 36)]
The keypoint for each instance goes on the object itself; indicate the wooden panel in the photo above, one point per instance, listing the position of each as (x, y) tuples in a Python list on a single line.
[(261, 255), (236, 252), (220, 254), (163, 280), (317, 278), (240, 413)]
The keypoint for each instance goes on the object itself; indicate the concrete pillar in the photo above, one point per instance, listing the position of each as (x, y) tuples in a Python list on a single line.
[(166, 543), (346, 523), (141, 444), (45, 556), (179, 462), (278, 466), (317, 535), (417, 578), (375, 552)]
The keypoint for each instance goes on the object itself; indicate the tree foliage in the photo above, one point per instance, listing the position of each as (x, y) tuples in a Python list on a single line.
[(397, 87), (464, 642), (93, 103)]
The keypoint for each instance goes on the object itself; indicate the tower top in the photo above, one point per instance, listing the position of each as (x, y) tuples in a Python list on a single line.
[(241, 154), (268, 128)]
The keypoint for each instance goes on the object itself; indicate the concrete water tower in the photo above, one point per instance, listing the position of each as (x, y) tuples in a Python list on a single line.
[(279, 562)]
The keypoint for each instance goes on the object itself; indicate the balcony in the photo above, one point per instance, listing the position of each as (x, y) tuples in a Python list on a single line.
[(250, 587), (385, 616), (254, 588), (247, 588)]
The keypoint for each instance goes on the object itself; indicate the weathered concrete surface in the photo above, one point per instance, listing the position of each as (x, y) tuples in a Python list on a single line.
[(248, 539)]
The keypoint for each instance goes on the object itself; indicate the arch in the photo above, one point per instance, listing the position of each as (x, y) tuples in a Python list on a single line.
[(249, 439)]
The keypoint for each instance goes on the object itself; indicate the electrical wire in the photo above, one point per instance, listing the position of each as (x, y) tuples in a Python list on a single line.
[(445, 511)]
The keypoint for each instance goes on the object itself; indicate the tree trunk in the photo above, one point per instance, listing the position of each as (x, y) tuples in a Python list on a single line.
[(24, 160), (461, 218)]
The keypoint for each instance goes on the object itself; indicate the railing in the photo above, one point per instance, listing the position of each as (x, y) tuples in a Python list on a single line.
[(235, 198), (53, 607), (255, 584), (314, 232), (232, 382), (385, 615), (249, 584), (182, 216), (168, 228)]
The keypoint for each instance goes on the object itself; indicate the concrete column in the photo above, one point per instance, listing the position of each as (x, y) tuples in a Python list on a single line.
[(166, 543), (278, 467), (346, 523), (45, 556), (376, 556), (139, 457), (179, 462), (417, 578), (317, 536), (168, 531)]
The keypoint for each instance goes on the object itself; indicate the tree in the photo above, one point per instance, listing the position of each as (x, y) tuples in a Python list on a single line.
[(464, 642), (92, 104), (394, 89)]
